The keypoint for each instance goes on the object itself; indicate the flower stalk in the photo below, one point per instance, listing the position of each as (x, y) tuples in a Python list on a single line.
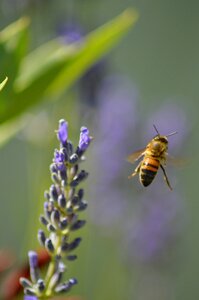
[(64, 202)]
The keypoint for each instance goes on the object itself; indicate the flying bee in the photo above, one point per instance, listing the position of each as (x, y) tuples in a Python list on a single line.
[(154, 156)]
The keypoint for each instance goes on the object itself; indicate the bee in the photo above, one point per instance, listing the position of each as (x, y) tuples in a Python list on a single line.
[(154, 156)]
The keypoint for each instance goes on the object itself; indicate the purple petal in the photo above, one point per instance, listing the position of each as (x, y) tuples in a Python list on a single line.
[(84, 139), (58, 157), (62, 133), (30, 297), (59, 160), (33, 259)]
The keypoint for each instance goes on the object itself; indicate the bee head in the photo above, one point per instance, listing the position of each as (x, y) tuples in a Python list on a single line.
[(159, 144), (161, 138)]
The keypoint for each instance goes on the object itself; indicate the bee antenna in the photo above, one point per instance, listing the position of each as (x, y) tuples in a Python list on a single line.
[(172, 133), (156, 129)]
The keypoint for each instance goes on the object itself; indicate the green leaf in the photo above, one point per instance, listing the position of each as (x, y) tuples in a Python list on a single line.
[(97, 44), (54, 67), (3, 83), (63, 64), (13, 47), (51, 68)]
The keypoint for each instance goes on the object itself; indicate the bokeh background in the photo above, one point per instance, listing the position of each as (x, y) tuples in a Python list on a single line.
[(138, 243)]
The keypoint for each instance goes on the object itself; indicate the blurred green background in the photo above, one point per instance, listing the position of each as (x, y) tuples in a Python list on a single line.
[(159, 57)]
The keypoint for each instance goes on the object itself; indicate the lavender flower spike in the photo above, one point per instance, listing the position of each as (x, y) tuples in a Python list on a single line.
[(62, 133), (84, 139), (63, 204)]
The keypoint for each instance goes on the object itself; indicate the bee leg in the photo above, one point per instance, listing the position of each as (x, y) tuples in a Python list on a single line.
[(141, 155), (165, 177), (137, 170)]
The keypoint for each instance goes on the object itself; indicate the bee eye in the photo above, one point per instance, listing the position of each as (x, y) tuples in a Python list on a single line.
[(163, 140)]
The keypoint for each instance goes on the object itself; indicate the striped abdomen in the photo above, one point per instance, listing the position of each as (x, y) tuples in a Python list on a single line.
[(148, 170)]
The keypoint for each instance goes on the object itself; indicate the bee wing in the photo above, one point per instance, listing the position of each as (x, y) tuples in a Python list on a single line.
[(135, 155), (176, 161)]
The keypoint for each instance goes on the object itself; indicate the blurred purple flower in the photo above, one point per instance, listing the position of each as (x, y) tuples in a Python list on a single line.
[(71, 33), (156, 227), (116, 124), (116, 121)]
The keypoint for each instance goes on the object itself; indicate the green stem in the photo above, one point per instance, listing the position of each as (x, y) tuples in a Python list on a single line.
[(50, 272), (52, 265)]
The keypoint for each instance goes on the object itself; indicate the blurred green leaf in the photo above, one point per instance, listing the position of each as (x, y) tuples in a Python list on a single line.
[(97, 43), (3, 83), (73, 60), (13, 47), (54, 66)]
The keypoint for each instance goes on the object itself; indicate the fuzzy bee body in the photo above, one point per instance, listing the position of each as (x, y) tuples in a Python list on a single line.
[(153, 157)]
